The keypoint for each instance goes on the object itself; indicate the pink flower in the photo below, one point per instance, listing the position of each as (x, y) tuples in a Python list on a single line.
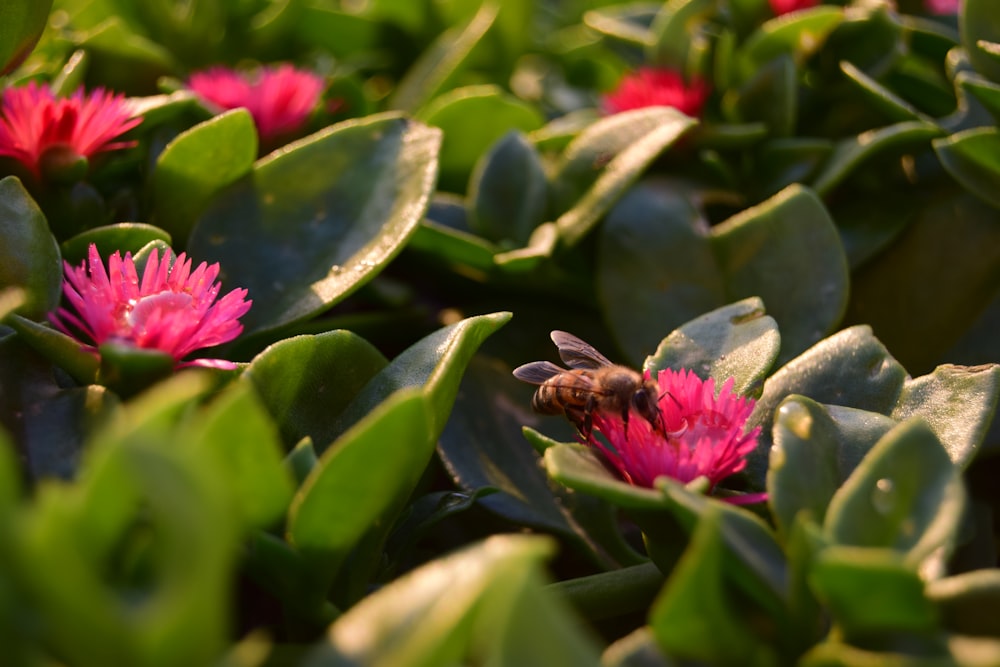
[(704, 434), (280, 99), (173, 309), (780, 7), (45, 132), (942, 7), (648, 86)]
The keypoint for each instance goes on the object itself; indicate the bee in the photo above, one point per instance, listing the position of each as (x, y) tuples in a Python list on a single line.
[(592, 384)]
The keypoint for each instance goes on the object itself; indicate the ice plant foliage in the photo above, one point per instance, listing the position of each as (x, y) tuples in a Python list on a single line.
[(780, 7), (35, 124), (649, 86), (705, 434), (280, 98), (171, 309)]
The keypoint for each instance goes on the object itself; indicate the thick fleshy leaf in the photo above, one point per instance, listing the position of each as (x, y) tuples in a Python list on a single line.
[(197, 164), (306, 380), (473, 119), (906, 495), (21, 24), (29, 255), (851, 368), (736, 341), (607, 158), (815, 449), (637, 649), (628, 22), (978, 21), (798, 34), (971, 157), (787, 252), (849, 154), (62, 350), (483, 447), (361, 482), (236, 430), (788, 160), (435, 363), (699, 615), (123, 237), (427, 77), (677, 38), (871, 591), (336, 206), (895, 108), (453, 246), (342, 33), (770, 97), (508, 193), (579, 468), (486, 602), (655, 267), (958, 403)]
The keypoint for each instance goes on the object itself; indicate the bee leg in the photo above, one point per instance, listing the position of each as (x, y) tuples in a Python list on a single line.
[(581, 418)]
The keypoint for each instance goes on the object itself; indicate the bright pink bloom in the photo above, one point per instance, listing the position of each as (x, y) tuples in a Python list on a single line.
[(172, 309), (942, 7), (704, 434), (648, 86), (34, 121), (280, 99), (780, 7)]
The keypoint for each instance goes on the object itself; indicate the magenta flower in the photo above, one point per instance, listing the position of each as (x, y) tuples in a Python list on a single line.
[(172, 309), (48, 133), (648, 86), (280, 99), (780, 7), (704, 435), (942, 7)]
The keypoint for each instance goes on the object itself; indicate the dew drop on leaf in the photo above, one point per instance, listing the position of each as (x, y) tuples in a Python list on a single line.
[(884, 496)]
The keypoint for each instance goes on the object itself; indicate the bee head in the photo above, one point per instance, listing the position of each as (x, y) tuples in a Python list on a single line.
[(644, 401)]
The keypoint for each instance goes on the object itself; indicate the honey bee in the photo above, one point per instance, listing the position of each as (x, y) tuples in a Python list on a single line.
[(592, 384)]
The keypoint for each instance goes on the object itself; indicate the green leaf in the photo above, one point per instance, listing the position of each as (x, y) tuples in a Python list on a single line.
[(636, 649), (199, 163), (961, 600), (770, 97), (815, 449), (486, 602), (337, 206), (427, 77), (655, 267), (871, 591), (798, 34), (305, 380), (236, 430), (29, 255), (677, 34), (473, 118), (851, 369), (122, 237), (971, 158), (894, 107), (958, 403), (850, 153), (64, 351), (580, 468), (906, 495), (435, 363), (787, 252), (787, 160), (508, 193), (738, 341), (629, 23), (453, 246), (21, 24), (605, 160), (978, 22), (361, 482), (342, 34), (699, 616)]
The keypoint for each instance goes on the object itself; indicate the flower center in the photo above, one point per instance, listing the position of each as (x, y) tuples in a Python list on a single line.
[(155, 306)]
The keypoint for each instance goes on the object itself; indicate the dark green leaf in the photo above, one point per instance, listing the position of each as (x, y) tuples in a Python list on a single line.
[(637, 649), (787, 252), (770, 97), (895, 108), (798, 34), (62, 350), (199, 163), (306, 380), (602, 162), (508, 193), (21, 24), (906, 495), (628, 22), (738, 341), (29, 255), (971, 157), (343, 34), (676, 34), (123, 237), (336, 206), (473, 119), (962, 599), (978, 22), (453, 246)]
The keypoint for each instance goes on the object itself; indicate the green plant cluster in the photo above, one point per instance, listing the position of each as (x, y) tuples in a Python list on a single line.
[(356, 491)]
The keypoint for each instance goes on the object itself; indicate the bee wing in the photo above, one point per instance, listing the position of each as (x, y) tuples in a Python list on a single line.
[(537, 372), (576, 353)]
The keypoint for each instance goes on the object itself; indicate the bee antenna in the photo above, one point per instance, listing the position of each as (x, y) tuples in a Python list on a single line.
[(667, 393)]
